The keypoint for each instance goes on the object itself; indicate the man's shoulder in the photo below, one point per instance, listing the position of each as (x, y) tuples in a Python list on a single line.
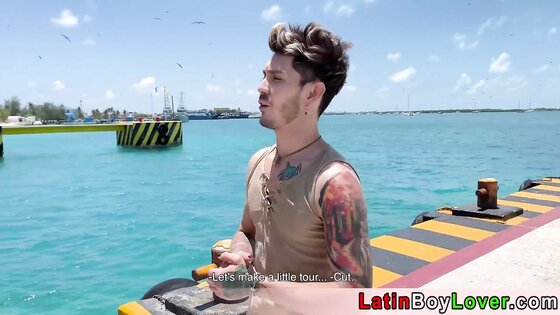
[(335, 173), (334, 163), (259, 154), (253, 161), (334, 169)]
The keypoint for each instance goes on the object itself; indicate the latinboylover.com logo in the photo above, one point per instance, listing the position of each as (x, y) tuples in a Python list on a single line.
[(453, 302)]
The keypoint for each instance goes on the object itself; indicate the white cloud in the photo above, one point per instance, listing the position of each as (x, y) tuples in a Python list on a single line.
[(307, 9), (109, 95), (403, 76), (477, 87), (147, 83), (252, 92), (461, 42), (213, 88), (66, 19), (543, 68), (501, 64), (89, 42), (339, 10), (273, 13), (369, 2), (238, 91), (552, 31), (352, 68), (434, 58), (237, 82), (31, 84), (344, 10), (492, 24), (394, 56), (463, 81), (86, 18), (58, 86)]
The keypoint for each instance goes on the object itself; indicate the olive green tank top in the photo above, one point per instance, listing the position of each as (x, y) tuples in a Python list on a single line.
[(290, 236)]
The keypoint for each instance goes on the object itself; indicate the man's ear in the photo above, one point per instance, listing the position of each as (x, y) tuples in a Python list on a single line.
[(316, 91)]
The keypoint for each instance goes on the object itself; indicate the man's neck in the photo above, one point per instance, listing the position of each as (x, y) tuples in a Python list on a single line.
[(291, 140)]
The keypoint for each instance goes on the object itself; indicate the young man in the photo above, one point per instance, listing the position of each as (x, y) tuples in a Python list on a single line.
[(305, 221)]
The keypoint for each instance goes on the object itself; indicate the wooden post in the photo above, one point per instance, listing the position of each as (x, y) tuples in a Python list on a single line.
[(487, 193)]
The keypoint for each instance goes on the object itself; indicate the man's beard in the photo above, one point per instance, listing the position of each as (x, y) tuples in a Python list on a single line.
[(289, 111)]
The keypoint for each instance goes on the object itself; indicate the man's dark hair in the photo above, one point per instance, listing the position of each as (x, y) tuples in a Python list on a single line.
[(318, 55)]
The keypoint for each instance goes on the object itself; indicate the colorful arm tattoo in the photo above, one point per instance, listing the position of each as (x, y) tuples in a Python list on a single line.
[(346, 229)]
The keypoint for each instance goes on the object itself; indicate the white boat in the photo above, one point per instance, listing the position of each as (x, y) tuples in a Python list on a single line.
[(182, 114), (167, 112)]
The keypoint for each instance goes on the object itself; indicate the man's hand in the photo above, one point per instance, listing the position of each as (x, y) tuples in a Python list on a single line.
[(230, 281)]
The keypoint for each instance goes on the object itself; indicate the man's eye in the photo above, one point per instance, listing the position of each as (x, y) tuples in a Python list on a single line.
[(277, 78)]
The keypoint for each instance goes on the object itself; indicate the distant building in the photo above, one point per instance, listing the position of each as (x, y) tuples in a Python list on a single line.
[(70, 115)]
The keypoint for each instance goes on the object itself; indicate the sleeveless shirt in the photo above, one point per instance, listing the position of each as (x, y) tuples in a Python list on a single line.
[(289, 235)]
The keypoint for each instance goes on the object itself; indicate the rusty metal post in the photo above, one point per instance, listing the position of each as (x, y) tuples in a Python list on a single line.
[(487, 193)]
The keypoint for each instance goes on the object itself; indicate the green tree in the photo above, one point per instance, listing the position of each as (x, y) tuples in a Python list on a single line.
[(96, 114), (4, 113), (79, 113), (31, 109), (13, 105)]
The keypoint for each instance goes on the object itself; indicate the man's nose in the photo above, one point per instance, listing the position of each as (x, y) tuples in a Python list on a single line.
[(263, 87)]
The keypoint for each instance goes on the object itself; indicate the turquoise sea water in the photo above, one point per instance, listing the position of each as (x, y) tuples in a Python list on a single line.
[(86, 226)]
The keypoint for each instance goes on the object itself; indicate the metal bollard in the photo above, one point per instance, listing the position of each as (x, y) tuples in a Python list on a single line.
[(487, 193)]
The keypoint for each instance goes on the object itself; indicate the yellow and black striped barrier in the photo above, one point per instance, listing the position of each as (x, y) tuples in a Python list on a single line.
[(129, 134), (436, 243), (151, 133)]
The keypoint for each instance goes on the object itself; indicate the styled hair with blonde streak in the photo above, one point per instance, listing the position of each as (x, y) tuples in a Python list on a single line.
[(318, 55)]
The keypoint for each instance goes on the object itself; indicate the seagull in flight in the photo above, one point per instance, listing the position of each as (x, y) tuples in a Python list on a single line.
[(40, 57), (68, 39), (197, 22), (157, 18), (180, 65)]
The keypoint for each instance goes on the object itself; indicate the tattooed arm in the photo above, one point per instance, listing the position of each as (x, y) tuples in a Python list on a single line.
[(343, 208), (339, 200)]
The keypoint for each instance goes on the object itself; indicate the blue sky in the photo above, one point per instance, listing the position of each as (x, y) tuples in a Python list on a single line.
[(430, 54)]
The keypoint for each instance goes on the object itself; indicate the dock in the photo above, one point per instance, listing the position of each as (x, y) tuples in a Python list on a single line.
[(510, 246)]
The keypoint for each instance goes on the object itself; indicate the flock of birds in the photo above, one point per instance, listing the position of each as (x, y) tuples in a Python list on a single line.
[(156, 18)]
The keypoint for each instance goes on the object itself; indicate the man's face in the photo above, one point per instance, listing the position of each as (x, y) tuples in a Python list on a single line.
[(280, 93)]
